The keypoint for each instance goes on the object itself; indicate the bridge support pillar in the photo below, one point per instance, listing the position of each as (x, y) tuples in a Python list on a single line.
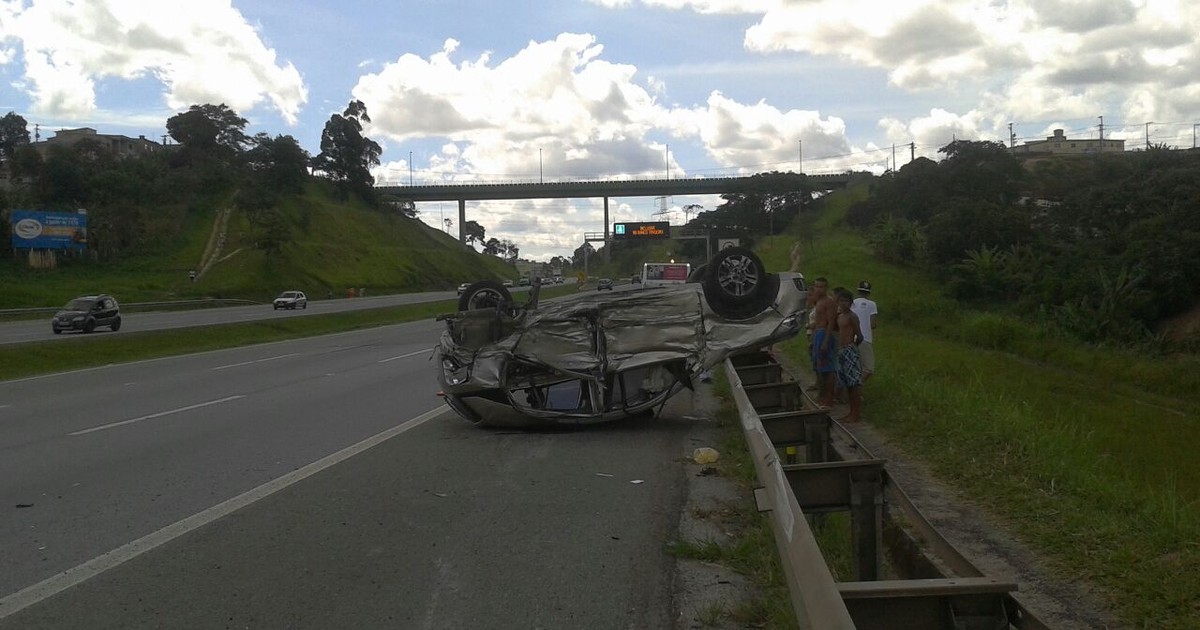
[(462, 221), (607, 254)]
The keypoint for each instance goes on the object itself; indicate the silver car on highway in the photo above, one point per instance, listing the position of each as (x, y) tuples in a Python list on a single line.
[(597, 357)]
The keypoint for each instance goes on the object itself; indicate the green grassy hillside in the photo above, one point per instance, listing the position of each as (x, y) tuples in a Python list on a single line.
[(1086, 452), (331, 246)]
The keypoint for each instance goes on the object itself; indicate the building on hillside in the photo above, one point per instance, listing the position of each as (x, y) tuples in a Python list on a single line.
[(122, 146), (1060, 144)]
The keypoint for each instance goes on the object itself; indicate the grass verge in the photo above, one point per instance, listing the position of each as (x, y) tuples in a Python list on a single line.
[(752, 551)]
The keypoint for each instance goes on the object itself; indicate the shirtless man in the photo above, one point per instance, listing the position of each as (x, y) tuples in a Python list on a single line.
[(824, 316), (849, 367)]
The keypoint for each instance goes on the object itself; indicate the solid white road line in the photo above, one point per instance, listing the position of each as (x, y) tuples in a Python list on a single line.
[(405, 356), (156, 415), (71, 577)]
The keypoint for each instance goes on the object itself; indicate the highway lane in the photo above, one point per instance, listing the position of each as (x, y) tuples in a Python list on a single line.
[(100, 457), (442, 526), (39, 330)]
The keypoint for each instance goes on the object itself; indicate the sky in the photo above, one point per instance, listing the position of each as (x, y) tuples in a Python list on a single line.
[(471, 90)]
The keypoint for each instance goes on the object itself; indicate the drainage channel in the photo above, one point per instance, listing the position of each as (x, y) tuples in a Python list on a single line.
[(906, 575)]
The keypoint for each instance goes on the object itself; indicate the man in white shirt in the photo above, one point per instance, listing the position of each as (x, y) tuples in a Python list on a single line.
[(866, 311)]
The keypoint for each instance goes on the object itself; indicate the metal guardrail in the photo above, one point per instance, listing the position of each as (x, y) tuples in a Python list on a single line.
[(907, 576)]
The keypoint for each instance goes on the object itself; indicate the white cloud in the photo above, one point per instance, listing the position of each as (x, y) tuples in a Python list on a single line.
[(1018, 59), (559, 110), (202, 51)]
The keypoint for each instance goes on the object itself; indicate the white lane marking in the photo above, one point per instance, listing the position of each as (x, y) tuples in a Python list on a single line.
[(405, 356), (156, 415), (56, 584), (233, 365)]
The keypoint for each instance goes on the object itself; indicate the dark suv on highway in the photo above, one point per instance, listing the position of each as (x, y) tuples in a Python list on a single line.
[(86, 313)]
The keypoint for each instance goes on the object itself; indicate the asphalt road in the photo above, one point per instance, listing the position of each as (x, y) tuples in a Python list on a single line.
[(314, 484), (39, 329)]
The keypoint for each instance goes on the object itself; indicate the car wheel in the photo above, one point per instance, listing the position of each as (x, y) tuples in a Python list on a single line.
[(56, 330), (484, 294), (275, 307), (304, 306), (735, 276), (89, 326), (116, 325)]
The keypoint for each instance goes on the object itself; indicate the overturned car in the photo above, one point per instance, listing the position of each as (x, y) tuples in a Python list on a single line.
[(592, 357)]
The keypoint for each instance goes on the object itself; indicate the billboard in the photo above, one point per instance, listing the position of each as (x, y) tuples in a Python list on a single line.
[(48, 230), (647, 229)]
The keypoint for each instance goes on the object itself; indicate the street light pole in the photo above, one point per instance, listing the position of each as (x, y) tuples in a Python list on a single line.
[(540, 166), (410, 168)]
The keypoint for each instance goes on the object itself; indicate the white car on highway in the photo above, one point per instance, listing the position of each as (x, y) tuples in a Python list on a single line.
[(291, 300)]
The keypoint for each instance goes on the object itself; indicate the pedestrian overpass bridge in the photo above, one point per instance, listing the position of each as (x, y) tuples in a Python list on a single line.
[(462, 193)]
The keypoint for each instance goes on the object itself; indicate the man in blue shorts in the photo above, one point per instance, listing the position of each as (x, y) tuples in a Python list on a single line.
[(824, 314)]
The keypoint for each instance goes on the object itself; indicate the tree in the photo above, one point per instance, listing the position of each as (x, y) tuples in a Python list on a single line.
[(280, 162), (474, 232), (511, 251), (212, 131), (493, 247), (982, 170), (347, 155), (768, 203), (582, 253), (14, 133)]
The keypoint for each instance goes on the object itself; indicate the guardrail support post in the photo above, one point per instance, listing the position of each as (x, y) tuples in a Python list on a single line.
[(866, 523), (816, 438)]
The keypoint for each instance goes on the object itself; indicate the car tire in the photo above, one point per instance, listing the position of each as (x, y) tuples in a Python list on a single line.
[(735, 276), (89, 326), (56, 330), (116, 325), (304, 306), (484, 294), (736, 285)]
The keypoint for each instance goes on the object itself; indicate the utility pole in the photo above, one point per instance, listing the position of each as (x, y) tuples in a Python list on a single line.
[(410, 169), (912, 151), (1147, 135), (1194, 125), (893, 159), (540, 180), (668, 151), (1101, 134), (800, 156), (1012, 139)]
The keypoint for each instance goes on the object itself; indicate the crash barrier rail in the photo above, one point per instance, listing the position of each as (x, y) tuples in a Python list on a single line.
[(906, 575), (136, 306)]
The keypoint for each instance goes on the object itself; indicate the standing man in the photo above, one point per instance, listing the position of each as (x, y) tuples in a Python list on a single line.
[(849, 365), (866, 310), (824, 315)]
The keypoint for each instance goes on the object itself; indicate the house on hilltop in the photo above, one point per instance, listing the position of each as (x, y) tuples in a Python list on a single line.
[(122, 146), (1060, 144)]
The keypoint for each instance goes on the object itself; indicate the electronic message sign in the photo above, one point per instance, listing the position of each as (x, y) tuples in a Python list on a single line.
[(648, 229), (48, 230)]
